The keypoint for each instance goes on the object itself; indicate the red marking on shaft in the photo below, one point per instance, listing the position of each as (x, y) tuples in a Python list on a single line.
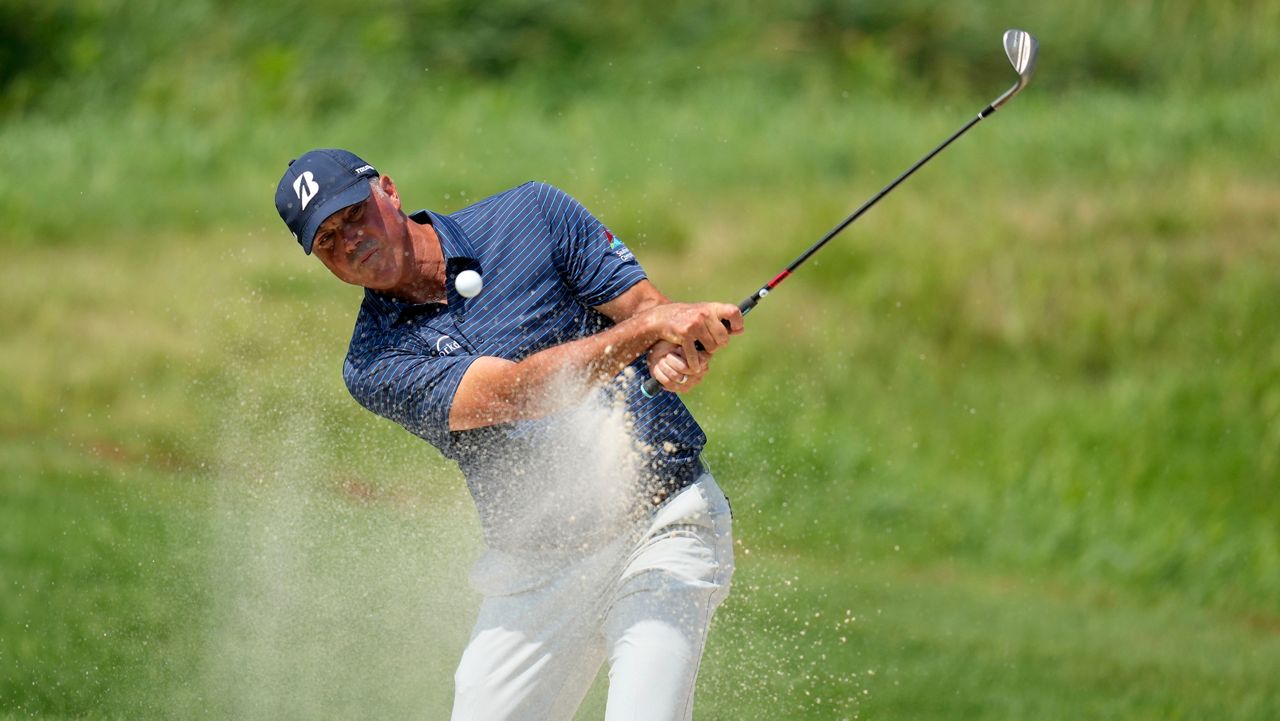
[(778, 279)]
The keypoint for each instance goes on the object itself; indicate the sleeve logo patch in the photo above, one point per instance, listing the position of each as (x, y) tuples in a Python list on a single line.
[(617, 248)]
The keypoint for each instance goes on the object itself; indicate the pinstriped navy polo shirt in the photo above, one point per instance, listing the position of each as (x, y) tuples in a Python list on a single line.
[(546, 261)]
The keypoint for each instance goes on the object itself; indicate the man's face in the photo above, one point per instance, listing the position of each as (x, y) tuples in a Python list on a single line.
[(367, 243)]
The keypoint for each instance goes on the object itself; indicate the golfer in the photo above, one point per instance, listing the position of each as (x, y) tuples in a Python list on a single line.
[(493, 371)]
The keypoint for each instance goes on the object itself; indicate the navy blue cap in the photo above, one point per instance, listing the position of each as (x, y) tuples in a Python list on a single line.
[(317, 185)]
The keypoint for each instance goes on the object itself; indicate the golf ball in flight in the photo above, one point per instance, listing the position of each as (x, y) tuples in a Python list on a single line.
[(469, 283)]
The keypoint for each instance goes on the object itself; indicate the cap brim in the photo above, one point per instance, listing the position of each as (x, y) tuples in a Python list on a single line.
[(358, 192)]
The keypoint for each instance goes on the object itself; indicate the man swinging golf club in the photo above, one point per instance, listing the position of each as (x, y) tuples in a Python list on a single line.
[(477, 330)]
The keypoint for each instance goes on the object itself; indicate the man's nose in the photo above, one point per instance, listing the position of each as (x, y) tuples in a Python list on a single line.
[(351, 236)]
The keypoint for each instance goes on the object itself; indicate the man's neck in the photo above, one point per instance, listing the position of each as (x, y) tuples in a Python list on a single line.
[(427, 271)]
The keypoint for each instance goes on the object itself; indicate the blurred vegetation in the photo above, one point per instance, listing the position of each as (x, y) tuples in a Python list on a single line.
[(209, 57), (1023, 420)]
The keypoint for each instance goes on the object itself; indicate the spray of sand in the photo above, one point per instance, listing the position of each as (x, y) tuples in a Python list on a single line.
[(565, 483), (332, 596), (340, 594)]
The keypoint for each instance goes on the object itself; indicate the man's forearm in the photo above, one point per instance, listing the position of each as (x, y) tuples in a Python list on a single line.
[(496, 391), (595, 359)]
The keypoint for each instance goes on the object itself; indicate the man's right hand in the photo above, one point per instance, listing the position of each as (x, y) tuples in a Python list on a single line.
[(668, 367), (689, 325)]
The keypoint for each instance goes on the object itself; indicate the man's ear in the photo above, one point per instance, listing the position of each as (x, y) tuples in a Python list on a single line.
[(389, 187)]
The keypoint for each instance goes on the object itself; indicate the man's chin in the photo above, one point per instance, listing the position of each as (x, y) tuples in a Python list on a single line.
[(378, 283)]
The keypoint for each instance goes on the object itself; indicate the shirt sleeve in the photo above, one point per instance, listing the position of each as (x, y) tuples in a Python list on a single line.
[(413, 389), (594, 262)]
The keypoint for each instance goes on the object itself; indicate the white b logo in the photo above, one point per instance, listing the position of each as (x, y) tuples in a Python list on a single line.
[(306, 188)]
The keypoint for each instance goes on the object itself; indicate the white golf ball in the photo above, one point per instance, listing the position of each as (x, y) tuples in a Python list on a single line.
[(469, 283)]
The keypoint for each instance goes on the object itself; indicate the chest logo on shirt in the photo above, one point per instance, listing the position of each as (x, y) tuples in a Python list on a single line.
[(446, 345), (617, 247)]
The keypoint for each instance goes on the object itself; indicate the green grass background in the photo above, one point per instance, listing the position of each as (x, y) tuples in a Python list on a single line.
[(1009, 449)]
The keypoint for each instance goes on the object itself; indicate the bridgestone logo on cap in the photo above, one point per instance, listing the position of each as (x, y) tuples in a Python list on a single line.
[(306, 188)]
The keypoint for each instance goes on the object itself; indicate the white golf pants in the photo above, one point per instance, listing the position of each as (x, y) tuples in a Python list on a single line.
[(545, 627)]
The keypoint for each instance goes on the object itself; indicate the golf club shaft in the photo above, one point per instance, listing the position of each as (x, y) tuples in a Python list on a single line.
[(754, 298), (652, 386)]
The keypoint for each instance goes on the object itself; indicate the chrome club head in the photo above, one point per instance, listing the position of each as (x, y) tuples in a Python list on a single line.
[(1022, 50)]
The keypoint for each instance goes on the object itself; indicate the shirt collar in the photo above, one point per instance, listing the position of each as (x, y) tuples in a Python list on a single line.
[(453, 241)]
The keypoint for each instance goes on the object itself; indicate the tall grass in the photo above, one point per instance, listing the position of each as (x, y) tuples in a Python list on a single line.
[(210, 58)]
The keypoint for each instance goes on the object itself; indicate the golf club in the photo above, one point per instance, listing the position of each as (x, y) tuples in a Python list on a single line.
[(1021, 48)]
